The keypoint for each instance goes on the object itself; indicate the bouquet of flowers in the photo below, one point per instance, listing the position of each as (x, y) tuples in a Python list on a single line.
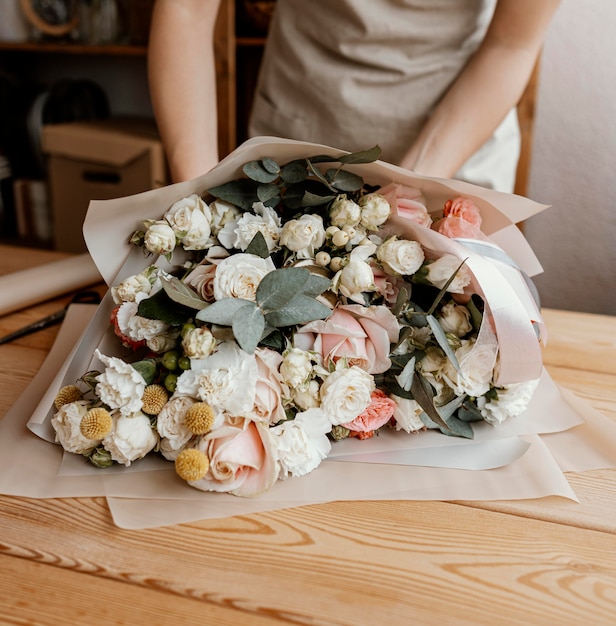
[(289, 308)]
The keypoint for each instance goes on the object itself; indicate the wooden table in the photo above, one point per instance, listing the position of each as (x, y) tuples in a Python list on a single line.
[(547, 561)]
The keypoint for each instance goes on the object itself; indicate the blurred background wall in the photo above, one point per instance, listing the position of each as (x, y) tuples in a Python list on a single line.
[(573, 160)]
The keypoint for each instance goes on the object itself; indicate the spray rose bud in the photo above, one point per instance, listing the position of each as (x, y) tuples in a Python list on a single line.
[(375, 210), (344, 212), (159, 238)]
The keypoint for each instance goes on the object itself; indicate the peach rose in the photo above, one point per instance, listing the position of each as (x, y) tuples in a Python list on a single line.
[(267, 407), (202, 280), (463, 208), (407, 202), (362, 335), (242, 459), (380, 410), (461, 219)]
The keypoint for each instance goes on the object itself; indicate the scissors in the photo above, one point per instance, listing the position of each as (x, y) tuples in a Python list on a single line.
[(83, 297)]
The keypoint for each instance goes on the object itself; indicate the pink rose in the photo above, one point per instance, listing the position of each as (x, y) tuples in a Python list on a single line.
[(202, 279), (407, 202), (380, 410), (267, 406), (242, 459), (463, 208), (362, 335), (458, 228), (387, 286)]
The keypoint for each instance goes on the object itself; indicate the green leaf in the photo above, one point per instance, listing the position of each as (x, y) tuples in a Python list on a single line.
[(279, 287), (441, 338), (468, 412), (222, 311), (364, 156), (256, 171), (181, 293), (312, 200), (401, 300), (267, 192), (161, 307), (299, 310), (147, 369), (258, 246), (422, 393), (242, 193), (458, 428), (248, 325), (270, 165), (343, 180), (475, 307), (294, 172)]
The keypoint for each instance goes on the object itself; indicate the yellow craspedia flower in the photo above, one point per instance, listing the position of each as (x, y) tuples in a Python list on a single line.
[(191, 464), (96, 423), (199, 418), (154, 399), (66, 395)]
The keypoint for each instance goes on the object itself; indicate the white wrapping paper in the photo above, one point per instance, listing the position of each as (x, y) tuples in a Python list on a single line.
[(523, 458)]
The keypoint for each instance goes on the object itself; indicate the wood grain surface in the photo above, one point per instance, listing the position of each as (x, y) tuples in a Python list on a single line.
[(547, 561)]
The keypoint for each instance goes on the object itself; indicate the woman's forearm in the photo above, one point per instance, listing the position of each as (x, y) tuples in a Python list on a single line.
[(182, 81)]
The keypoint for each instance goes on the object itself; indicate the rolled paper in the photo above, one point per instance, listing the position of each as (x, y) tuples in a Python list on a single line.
[(43, 282)]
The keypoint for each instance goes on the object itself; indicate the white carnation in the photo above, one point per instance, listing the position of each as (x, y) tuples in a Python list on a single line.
[(171, 428), (131, 438), (511, 400), (120, 386), (301, 443)]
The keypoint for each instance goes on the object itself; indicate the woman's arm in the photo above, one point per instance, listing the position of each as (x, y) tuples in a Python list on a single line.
[(182, 81), (488, 87)]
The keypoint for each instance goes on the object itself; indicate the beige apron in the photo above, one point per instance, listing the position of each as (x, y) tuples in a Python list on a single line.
[(354, 73)]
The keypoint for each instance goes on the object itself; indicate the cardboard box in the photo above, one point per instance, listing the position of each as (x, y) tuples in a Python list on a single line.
[(97, 160)]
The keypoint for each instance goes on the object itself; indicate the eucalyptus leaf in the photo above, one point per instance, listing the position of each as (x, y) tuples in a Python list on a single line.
[(222, 311), (343, 180), (364, 156), (256, 171), (312, 200), (181, 293), (458, 428), (258, 246), (294, 172), (270, 165), (401, 300), (242, 193), (267, 192), (468, 412), (473, 305), (248, 325), (441, 338), (277, 288), (300, 310)]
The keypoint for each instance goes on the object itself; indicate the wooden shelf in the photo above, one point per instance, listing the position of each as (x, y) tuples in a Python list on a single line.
[(54, 47)]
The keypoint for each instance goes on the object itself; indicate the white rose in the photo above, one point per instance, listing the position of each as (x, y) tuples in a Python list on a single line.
[(433, 361), (303, 235), (455, 319), (131, 438), (375, 210), (66, 424), (296, 367), (159, 238), (306, 396), (346, 393), (400, 257), (226, 380), (344, 212), (301, 443), (438, 273), (476, 361), (240, 232), (407, 414), (120, 386), (170, 426), (511, 400), (222, 213), (356, 276), (190, 220), (164, 342), (130, 288), (239, 275), (198, 343)]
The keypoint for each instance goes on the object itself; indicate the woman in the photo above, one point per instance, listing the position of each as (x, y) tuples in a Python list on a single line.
[(433, 82)]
